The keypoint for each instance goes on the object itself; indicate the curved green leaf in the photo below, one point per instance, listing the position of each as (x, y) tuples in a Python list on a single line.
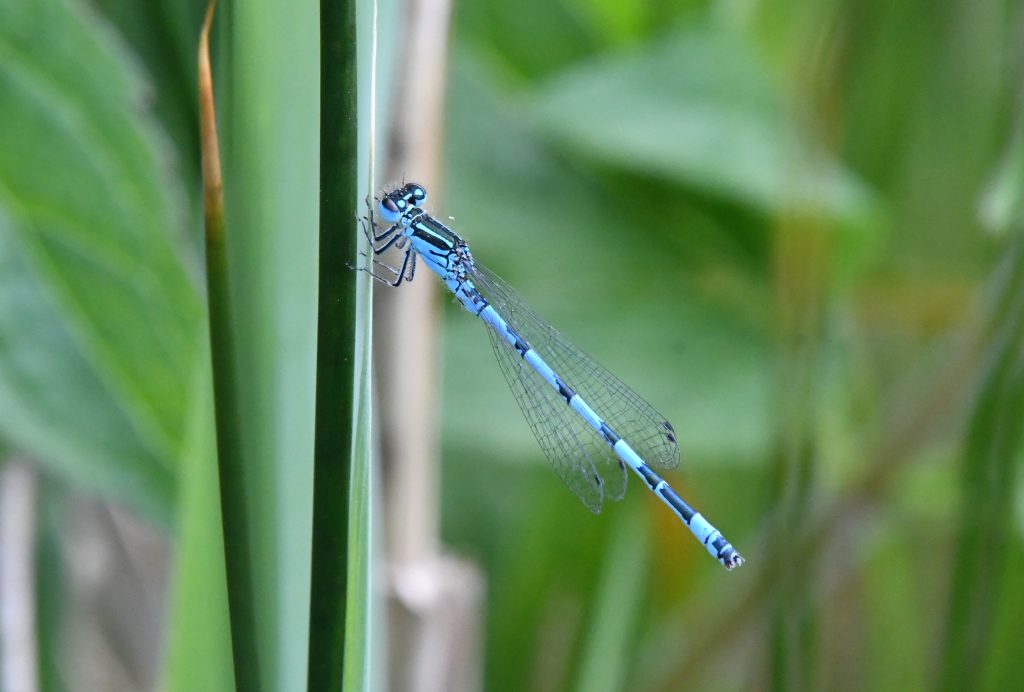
[(89, 208), (699, 109)]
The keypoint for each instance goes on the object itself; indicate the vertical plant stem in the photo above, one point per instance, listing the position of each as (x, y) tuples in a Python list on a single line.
[(445, 615), (19, 655), (336, 338), (802, 250), (408, 372), (230, 459), (989, 479)]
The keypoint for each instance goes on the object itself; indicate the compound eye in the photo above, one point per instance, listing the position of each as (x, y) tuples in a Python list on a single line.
[(389, 210), (418, 193)]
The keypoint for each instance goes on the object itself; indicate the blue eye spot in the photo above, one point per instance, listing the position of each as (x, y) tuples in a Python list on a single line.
[(416, 193)]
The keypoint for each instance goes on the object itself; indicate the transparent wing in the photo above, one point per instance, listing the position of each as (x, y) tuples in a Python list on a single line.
[(632, 418), (577, 459)]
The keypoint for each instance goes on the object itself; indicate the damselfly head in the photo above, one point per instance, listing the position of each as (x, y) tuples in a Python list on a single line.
[(397, 202)]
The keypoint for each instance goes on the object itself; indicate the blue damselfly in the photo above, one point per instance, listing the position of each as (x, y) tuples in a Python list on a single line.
[(589, 424)]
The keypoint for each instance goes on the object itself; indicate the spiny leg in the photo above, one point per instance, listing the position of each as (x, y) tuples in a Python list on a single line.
[(396, 239), (372, 236), (377, 263), (399, 273), (383, 248)]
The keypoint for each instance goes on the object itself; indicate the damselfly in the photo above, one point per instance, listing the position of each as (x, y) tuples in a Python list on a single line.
[(589, 424)]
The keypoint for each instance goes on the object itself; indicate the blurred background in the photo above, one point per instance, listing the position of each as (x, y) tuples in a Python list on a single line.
[(793, 226)]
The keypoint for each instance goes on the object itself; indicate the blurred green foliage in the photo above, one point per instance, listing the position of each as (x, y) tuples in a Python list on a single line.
[(101, 317), (780, 222), (793, 226)]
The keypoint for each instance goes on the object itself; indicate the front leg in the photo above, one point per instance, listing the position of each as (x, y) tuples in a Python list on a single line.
[(412, 267), (394, 239), (373, 237)]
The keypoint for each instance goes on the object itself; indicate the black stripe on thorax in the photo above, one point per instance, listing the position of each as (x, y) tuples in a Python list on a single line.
[(433, 236)]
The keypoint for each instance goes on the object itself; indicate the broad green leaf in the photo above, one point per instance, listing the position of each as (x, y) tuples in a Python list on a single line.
[(93, 215), (199, 644), (267, 82), (699, 109), (53, 403), (164, 37)]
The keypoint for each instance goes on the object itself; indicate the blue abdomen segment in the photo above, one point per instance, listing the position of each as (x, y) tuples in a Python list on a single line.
[(710, 537), (707, 534)]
